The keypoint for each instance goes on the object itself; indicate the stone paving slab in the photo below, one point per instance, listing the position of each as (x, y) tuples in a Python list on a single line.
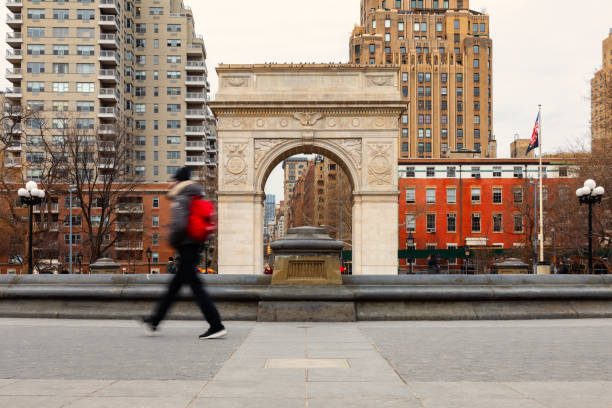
[(390, 364)]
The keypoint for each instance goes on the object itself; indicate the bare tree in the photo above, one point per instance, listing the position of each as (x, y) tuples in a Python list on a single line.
[(97, 164)]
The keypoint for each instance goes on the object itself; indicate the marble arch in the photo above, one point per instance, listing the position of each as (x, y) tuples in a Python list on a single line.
[(267, 113)]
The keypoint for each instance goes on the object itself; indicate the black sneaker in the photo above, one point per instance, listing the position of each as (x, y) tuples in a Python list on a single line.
[(149, 328), (213, 333)]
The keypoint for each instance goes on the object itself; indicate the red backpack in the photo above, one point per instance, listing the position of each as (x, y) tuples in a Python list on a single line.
[(201, 221)]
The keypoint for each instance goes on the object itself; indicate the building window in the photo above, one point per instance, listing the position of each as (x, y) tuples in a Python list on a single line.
[(518, 224), (497, 195), (498, 223), (475, 195), (431, 223), (431, 195), (475, 172), (404, 146), (497, 171), (155, 202), (518, 172), (431, 171), (451, 222), (451, 171), (451, 195), (563, 171), (518, 195), (155, 220), (475, 222), (410, 223), (410, 196), (410, 172)]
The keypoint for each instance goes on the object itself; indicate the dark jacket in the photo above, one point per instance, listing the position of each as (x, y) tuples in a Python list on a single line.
[(181, 195)]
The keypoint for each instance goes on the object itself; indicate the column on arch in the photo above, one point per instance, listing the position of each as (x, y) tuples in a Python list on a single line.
[(240, 235)]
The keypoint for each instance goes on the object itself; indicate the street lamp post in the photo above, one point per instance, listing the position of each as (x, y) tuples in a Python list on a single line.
[(31, 196), (554, 239), (149, 259), (590, 194), (410, 242), (79, 259)]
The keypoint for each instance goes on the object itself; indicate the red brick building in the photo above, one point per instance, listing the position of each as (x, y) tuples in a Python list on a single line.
[(475, 203), (140, 223)]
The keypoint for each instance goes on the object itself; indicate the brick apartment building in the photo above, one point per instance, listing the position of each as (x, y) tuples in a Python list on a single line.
[(476, 203), (141, 220)]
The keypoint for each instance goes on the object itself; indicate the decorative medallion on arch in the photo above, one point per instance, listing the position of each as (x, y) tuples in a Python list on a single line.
[(235, 164), (379, 168), (267, 113)]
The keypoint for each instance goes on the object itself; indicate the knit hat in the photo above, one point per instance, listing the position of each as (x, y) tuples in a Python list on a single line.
[(183, 174)]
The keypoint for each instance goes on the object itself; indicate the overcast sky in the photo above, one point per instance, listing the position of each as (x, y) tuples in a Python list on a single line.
[(544, 51)]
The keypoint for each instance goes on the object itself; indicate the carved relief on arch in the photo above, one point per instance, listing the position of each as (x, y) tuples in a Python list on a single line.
[(353, 149), (379, 166), (263, 147)]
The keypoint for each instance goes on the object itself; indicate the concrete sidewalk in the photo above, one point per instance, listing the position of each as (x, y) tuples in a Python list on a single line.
[(71, 363)]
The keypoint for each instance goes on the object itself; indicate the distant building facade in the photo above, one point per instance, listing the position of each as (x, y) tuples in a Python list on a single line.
[(445, 56), (475, 203), (601, 97)]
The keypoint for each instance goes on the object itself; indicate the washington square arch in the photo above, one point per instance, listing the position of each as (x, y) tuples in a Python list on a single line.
[(267, 113)]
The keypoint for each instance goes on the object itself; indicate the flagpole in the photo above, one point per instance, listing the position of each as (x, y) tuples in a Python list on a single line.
[(541, 236)]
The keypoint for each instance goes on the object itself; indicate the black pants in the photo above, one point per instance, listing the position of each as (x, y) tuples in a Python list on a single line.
[(187, 274)]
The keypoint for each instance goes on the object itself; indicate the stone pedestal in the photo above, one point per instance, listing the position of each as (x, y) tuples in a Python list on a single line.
[(105, 266), (307, 256)]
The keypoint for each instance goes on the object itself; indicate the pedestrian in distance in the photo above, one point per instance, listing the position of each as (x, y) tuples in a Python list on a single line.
[(563, 268), (171, 266), (433, 267), (192, 222)]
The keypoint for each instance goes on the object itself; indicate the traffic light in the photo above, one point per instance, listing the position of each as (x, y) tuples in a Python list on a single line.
[(268, 250)]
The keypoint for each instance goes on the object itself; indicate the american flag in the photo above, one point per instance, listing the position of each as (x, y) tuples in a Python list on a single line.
[(535, 137)]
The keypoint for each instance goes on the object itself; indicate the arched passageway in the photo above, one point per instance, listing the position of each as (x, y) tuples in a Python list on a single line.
[(269, 113)]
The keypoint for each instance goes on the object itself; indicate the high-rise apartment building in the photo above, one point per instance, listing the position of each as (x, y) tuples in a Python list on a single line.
[(323, 197), (445, 54), (293, 168), (601, 97), (97, 61)]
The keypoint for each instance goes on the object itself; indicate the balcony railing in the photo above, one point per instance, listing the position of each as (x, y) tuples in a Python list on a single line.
[(53, 207), (109, 92), (195, 112), (13, 72), (195, 95), (107, 129), (110, 38), (129, 226), (195, 159), (110, 56), (108, 111), (14, 53), (13, 91), (195, 129), (196, 64), (130, 207), (195, 78), (106, 146), (14, 36), (190, 143), (12, 162), (129, 245), (109, 73), (108, 19), (14, 18)]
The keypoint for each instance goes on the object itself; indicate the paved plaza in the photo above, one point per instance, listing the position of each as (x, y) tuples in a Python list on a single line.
[(85, 364)]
